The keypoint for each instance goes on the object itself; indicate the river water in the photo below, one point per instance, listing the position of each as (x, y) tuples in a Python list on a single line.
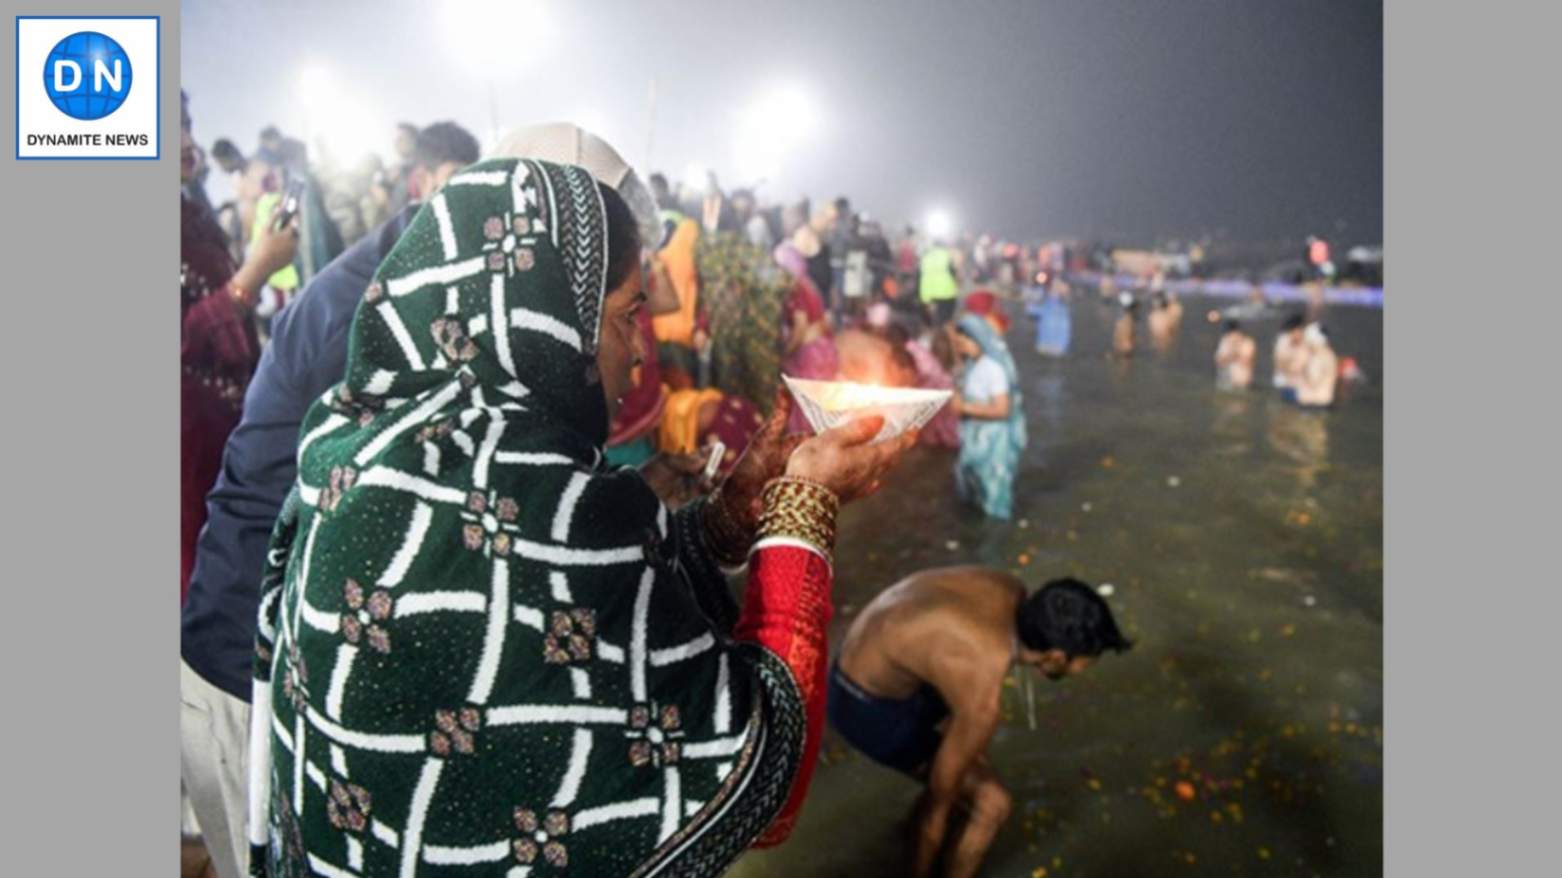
[(1243, 542)]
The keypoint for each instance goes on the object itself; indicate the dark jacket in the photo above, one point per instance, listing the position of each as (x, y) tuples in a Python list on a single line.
[(306, 357)]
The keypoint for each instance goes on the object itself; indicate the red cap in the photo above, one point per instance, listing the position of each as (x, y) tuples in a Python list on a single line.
[(985, 304)]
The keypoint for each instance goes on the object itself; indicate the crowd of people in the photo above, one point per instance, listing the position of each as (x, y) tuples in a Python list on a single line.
[(1307, 371), (472, 445)]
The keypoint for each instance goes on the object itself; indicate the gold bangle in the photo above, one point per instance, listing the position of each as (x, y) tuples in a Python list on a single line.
[(800, 509)]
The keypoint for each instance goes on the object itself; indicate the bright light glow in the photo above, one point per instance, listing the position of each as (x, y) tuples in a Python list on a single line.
[(339, 125), (939, 223), (770, 131), (694, 176), (314, 82), (496, 38)]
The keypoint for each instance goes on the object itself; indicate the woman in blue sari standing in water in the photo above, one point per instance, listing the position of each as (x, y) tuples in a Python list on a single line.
[(992, 418)]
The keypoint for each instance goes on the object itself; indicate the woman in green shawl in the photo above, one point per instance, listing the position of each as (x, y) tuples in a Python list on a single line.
[(483, 651)]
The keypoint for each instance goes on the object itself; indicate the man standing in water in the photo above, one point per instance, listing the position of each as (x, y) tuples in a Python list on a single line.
[(1123, 330), (1290, 357), (1234, 358), (1164, 321), (937, 646), (1321, 371)]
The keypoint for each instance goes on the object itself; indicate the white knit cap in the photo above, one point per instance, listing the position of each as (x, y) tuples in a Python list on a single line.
[(570, 144)]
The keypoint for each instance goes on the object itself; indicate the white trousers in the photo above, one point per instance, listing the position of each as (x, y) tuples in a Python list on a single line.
[(213, 761)]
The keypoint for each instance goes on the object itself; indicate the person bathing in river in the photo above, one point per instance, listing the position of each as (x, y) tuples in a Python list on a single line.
[(916, 685), (1290, 356), (1320, 371), (1234, 358), (992, 418), (1164, 320), (1123, 330)]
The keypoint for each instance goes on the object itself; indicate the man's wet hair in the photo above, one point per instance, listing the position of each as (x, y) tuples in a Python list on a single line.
[(1067, 614), (1231, 326), (1293, 321), (444, 142)]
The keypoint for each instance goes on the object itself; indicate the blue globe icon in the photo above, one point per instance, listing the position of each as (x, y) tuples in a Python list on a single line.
[(87, 75)]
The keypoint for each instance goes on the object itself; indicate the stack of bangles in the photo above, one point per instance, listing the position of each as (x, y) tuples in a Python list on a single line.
[(799, 510), (794, 509)]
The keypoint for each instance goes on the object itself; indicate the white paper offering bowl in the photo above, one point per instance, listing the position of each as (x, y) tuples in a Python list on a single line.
[(829, 404)]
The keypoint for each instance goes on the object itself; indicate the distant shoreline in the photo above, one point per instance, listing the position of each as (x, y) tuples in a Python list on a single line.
[(1371, 297)]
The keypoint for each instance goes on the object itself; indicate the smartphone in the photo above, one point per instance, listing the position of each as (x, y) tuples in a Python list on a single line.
[(290, 202), (713, 463)]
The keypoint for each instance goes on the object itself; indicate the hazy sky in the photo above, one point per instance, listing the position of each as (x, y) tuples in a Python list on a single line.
[(1028, 118)]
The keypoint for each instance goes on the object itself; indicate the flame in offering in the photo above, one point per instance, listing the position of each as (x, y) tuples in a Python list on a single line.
[(829, 404)]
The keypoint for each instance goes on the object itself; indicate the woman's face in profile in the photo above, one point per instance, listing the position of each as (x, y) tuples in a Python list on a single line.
[(966, 346), (622, 347)]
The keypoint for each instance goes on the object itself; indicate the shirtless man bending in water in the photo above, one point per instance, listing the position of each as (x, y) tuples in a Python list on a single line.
[(937, 646)]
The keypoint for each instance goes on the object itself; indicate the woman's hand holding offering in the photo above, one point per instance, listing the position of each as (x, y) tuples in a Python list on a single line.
[(843, 461)]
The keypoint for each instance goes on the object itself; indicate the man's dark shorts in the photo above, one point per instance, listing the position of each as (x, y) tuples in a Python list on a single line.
[(901, 733)]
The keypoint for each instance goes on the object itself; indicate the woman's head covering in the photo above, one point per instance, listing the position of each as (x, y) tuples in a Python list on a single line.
[(790, 258), (991, 344), (483, 619), (499, 284), (986, 304)]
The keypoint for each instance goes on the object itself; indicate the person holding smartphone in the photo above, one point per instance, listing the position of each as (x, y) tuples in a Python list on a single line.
[(218, 349)]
